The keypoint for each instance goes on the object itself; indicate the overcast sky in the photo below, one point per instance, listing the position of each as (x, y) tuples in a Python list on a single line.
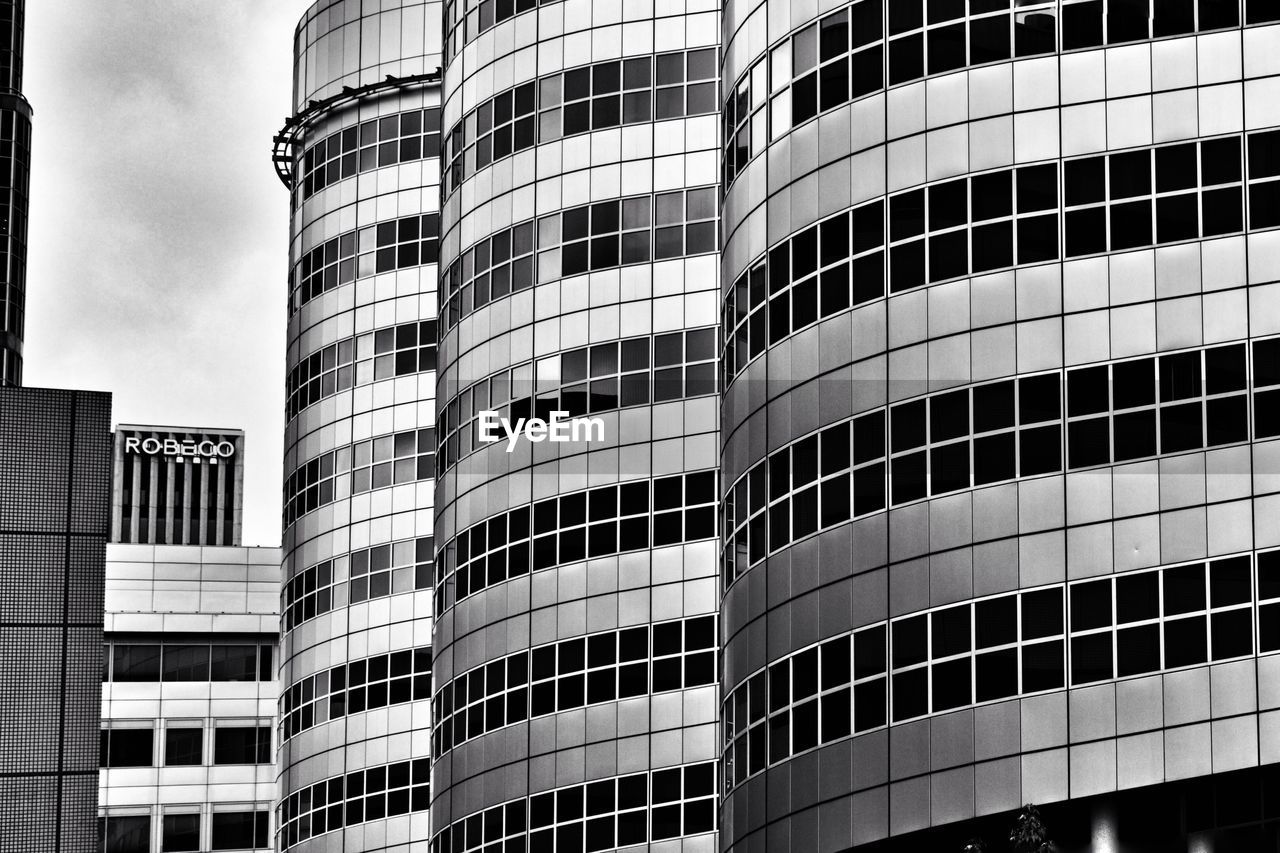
[(158, 236)]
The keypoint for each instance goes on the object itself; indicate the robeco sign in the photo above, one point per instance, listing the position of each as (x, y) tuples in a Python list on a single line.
[(172, 447)]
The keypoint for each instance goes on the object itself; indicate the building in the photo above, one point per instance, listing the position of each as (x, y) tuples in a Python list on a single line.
[(1000, 341), (360, 159), (576, 583), (191, 650), (15, 174), (177, 486), (189, 698), (55, 464)]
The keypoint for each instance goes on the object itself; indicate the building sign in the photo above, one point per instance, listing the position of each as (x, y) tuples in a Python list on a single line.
[(204, 450)]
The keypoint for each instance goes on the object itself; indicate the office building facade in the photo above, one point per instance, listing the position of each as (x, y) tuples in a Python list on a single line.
[(174, 486), (360, 159), (189, 698), (576, 591), (15, 175), (55, 464), (999, 350)]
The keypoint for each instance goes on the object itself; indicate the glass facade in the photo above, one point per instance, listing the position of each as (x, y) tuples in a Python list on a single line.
[(353, 724), (998, 345), (55, 469), (575, 583)]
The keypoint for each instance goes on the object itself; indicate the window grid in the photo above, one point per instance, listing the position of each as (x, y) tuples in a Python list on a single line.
[(375, 463), (1118, 412), (318, 589), (409, 241), (372, 144), (601, 522), (982, 223), (364, 795), (602, 377), (355, 686), (995, 648), (554, 677), (399, 350), (592, 97), (601, 815), (586, 238), (840, 58), (130, 661)]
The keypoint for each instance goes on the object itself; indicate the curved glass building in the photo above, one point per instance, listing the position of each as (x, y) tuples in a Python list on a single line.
[(360, 159), (15, 175), (575, 588), (1000, 339)]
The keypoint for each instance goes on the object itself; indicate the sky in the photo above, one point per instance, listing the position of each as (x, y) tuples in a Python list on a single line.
[(158, 240)]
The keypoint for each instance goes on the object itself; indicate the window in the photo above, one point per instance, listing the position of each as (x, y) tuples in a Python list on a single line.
[(135, 663), (240, 830), (242, 745), (358, 685), (369, 794), (125, 833), (186, 663), (237, 663), (183, 746), (120, 747), (181, 833)]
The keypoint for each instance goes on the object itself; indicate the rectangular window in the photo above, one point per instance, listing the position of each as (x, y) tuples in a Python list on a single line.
[(126, 747), (136, 663), (181, 833), (183, 747), (125, 833), (242, 745), (239, 830), (233, 663)]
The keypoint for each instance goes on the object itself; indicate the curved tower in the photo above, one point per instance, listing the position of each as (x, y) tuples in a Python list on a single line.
[(360, 159), (575, 586), (1000, 364), (15, 174)]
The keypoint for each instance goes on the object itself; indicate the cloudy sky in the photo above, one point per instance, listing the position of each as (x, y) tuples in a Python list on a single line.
[(158, 227)]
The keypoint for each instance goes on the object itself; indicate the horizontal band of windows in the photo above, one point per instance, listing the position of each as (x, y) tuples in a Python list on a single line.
[(983, 223), (400, 350), (364, 795), (600, 522), (1000, 647), (603, 377), (356, 686), (364, 574), (554, 677), (131, 833), (999, 431), (168, 662), (594, 97), (602, 815), (842, 57), (183, 746), (371, 144), (375, 463), (397, 244), (587, 238)]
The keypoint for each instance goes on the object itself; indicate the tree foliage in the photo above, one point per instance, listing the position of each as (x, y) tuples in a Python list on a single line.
[(1029, 834)]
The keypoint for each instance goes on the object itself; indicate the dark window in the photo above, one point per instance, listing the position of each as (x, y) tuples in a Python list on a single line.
[(239, 830), (242, 745), (181, 833), (125, 833), (126, 747), (136, 663), (183, 747), (186, 663)]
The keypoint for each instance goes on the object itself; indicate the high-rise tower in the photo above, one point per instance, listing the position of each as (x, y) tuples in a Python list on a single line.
[(1000, 330), (15, 173), (575, 587), (360, 159)]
